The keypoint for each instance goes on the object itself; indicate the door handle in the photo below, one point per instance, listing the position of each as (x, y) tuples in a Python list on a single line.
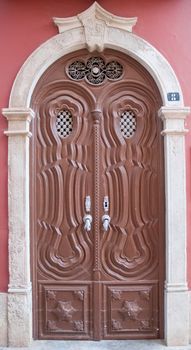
[(87, 219), (106, 221), (106, 218)]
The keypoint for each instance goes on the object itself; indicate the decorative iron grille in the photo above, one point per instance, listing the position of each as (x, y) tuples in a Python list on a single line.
[(64, 123), (95, 70), (128, 123)]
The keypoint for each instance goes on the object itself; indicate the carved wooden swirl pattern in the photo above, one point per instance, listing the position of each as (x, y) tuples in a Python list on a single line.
[(130, 248), (63, 172), (97, 284)]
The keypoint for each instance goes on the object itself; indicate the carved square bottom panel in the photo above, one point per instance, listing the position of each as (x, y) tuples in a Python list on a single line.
[(130, 311), (64, 311)]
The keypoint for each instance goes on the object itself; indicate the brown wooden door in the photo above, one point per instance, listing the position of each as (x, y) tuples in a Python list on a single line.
[(97, 134)]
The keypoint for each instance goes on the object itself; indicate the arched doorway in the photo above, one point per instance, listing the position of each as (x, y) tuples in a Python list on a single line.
[(97, 189), (103, 31)]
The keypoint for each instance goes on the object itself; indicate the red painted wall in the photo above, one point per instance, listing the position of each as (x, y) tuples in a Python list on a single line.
[(24, 25)]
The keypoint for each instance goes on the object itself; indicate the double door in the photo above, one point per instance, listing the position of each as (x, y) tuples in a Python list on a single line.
[(97, 194)]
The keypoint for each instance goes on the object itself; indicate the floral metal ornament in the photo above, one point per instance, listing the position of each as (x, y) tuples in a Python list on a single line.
[(95, 70)]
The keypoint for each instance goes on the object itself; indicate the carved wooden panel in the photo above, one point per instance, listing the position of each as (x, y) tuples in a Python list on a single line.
[(66, 309), (100, 283), (130, 178), (64, 173), (131, 311)]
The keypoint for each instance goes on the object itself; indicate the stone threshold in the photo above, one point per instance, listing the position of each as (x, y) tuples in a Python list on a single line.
[(101, 345)]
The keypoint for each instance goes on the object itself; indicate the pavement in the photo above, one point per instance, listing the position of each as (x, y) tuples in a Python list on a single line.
[(101, 345)]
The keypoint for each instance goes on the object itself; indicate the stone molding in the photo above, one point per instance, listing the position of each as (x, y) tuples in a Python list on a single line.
[(176, 289), (190, 316), (18, 121), (95, 21), (3, 319), (173, 113), (19, 310), (173, 120), (72, 37)]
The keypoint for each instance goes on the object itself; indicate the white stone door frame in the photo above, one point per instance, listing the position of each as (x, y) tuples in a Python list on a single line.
[(96, 29)]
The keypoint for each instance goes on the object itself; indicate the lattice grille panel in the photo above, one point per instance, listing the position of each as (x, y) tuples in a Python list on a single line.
[(64, 123), (128, 123)]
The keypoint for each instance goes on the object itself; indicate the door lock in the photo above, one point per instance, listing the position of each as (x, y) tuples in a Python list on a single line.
[(106, 218), (106, 204)]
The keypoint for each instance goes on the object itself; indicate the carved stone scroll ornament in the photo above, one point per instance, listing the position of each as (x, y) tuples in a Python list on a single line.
[(95, 22)]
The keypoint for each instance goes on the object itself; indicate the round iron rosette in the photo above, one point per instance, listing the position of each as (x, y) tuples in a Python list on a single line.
[(114, 70), (95, 70), (77, 70)]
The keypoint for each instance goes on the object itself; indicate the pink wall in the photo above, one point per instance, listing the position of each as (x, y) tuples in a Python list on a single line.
[(25, 25)]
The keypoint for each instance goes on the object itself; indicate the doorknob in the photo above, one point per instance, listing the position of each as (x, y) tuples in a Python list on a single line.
[(106, 218), (87, 219), (106, 221)]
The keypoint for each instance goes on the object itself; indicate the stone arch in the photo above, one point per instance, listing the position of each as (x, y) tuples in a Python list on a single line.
[(73, 40), (96, 29)]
